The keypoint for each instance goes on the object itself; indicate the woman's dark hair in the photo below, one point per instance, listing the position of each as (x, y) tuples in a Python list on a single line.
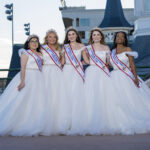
[(26, 44), (66, 41), (125, 43)]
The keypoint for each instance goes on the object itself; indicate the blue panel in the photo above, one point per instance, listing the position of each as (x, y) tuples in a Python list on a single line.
[(84, 22), (114, 16), (15, 60)]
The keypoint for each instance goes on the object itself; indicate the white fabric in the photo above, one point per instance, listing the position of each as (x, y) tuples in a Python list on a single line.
[(52, 76), (71, 117), (55, 102), (46, 58), (81, 49), (147, 82), (22, 51), (134, 54), (102, 55), (31, 64), (100, 101), (23, 113), (133, 102)]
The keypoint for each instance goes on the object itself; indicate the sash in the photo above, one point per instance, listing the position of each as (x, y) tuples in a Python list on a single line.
[(97, 60), (123, 67), (36, 58), (53, 55), (74, 61)]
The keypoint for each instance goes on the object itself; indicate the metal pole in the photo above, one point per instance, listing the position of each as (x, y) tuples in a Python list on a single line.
[(29, 29), (12, 27)]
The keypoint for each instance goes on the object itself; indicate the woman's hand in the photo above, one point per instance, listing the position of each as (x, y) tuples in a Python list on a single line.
[(42, 61), (133, 68), (136, 81), (85, 57), (21, 86), (24, 59)]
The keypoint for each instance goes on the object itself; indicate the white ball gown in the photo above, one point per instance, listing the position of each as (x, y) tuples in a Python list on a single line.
[(71, 116), (23, 113), (133, 103), (52, 75), (99, 95)]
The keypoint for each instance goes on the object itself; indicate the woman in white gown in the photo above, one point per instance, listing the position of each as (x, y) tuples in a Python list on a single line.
[(99, 88), (52, 72), (22, 105), (133, 102), (71, 118)]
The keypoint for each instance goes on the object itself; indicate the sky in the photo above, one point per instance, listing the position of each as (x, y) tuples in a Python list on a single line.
[(42, 16)]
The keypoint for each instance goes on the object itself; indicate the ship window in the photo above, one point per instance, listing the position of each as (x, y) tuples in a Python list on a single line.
[(84, 22), (147, 5), (77, 22), (82, 34)]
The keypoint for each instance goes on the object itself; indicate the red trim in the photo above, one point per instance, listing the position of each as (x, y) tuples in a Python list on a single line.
[(120, 68), (100, 60), (124, 63), (76, 58), (35, 54), (121, 61), (72, 63), (34, 58), (51, 57)]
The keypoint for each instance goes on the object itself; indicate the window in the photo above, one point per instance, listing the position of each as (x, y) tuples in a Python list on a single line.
[(147, 5), (82, 34), (77, 22), (68, 22), (84, 22)]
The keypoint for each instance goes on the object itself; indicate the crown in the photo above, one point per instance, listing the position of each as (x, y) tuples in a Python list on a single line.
[(51, 31), (97, 28), (71, 27), (32, 36)]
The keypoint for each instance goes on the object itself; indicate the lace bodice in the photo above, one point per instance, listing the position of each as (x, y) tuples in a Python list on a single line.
[(102, 55), (124, 58), (46, 58), (31, 64)]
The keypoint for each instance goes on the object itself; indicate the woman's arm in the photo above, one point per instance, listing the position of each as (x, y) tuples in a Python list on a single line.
[(85, 57), (63, 61), (108, 56), (84, 54), (24, 59), (133, 68)]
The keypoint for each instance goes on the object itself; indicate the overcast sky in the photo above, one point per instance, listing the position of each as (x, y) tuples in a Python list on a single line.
[(42, 15)]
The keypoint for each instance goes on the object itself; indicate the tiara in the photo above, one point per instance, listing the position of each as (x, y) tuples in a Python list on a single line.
[(71, 27), (97, 28), (50, 31), (32, 36), (121, 31)]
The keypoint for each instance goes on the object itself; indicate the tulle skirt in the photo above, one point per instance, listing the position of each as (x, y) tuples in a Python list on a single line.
[(133, 104), (52, 76), (71, 107), (23, 113), (100, 101)]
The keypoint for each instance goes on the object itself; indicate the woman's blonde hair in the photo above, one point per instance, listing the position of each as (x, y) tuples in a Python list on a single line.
[(102, 41), (57, 45)]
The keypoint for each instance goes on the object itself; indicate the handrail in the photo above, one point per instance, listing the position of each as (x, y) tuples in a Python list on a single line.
[(5, 79), (142, 66), (13, 69)]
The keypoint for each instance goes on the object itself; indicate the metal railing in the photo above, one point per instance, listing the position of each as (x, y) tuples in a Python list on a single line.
[(5, 80), (142, 73)]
